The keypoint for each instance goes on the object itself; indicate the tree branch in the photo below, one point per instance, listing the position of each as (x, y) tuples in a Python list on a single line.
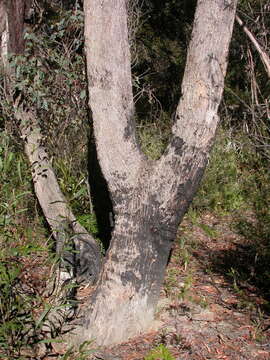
[(181, 167), (263, 55), (85, 260), (110, 92)]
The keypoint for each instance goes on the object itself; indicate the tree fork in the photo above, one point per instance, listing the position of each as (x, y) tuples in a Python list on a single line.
[(149, 198)]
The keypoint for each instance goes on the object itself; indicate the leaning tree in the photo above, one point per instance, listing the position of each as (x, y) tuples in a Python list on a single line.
[(149, 197)]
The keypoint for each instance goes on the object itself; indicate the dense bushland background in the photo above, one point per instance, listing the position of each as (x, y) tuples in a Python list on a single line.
[(51, 74)]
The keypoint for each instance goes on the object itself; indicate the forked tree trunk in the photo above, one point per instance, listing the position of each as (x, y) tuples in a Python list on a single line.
[(149, 198)]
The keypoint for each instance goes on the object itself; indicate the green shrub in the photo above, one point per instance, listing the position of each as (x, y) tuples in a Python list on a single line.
[(221, 188), (154, 135), (160, 353), (17, 324)]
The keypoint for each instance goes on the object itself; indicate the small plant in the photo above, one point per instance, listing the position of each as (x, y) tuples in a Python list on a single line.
[(209, 230), (89, 221), (154, 136), (171, 281), (17, 299), (185, 287), (244, 299), (151, 142), (184, 254), (81, 353), (160, 353), (73, 184)]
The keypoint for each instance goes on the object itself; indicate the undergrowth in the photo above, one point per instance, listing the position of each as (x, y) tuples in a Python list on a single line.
[(160, 353), (20, 251)]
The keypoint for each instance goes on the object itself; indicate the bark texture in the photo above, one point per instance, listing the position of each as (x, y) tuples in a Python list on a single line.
[(16, 10), (79, 250), (149, 198), (2, 17)]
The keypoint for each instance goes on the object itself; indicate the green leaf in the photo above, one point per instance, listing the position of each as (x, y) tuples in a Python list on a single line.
[(50, 341), (78, 193), (83, 94), (43, 316)]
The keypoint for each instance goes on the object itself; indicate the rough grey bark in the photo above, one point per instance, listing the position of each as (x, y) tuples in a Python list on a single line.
[(149, 198)]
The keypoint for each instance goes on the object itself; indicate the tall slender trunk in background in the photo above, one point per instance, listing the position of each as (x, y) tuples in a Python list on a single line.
[(77, 247), (149, 197)]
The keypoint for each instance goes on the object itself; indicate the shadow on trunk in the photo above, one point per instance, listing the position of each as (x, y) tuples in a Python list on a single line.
[(100, 197)]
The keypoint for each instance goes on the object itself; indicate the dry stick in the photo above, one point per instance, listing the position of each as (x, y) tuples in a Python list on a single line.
[(263, 55)]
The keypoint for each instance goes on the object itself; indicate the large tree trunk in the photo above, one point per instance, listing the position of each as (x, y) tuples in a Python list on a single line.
[(149, 198)]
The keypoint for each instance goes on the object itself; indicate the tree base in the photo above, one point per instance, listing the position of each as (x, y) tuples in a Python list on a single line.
[(116, 318)]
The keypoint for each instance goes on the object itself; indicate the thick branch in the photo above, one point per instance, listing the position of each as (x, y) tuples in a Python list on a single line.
[(263, 55), (110, 92), (178, 172)]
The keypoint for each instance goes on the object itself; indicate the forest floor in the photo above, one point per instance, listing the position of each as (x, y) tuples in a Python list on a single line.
[(215, 299), (212, 305)]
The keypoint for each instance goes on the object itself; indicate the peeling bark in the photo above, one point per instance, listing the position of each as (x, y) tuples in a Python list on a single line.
[(149, 198)]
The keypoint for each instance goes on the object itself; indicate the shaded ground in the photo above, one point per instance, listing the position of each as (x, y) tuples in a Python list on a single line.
[(212, 305)]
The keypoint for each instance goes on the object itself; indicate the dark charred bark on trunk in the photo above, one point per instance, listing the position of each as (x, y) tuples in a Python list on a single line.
[(130, 283), (129, 286)]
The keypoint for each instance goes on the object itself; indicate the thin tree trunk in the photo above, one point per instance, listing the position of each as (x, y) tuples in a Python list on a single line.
[(16, 11), (149, 198), (78, 249)]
